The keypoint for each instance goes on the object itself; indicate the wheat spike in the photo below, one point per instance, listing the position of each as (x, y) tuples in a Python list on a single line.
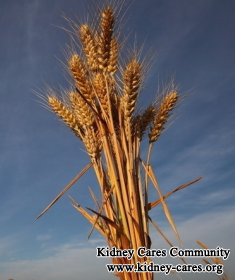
[(89, 47), (65, 114), (146, 119), (81, 77), (101, 90), (106, 27), (167, 104), (81, 110), (140, 123), (92, 142), (112, 67), (131, 80)]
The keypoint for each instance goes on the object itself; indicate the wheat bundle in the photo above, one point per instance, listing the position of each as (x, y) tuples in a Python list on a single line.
[(102, 110)]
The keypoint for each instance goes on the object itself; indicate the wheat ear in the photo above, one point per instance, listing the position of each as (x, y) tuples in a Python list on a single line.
[(113, 58), (167, 105), (65, 114), (89, 47), (131, 81), (81, 110), (106, 27), (146, 119), (81, 77)]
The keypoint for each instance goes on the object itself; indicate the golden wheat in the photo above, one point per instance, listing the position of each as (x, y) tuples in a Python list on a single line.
[(65, 114), (81, 110), (113, 57), (92, 142), (101, 111), (81, 76), (105, 40), (100, 89), (131, 81), (146, 119), (166, 106), (89, 47)]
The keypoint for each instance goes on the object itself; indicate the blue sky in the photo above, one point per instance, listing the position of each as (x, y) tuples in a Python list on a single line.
[(39, 156)]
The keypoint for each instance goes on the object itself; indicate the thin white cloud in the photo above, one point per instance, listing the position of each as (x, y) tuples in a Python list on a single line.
[(217, 196), (69, 262), (7, 246), (31, 12), (43, 237)]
